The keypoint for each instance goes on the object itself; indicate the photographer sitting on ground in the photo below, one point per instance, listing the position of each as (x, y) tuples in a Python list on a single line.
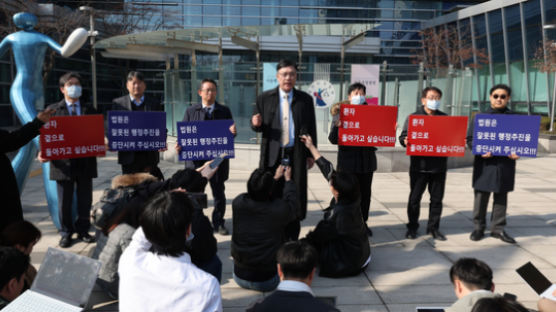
[(341, 237), (259, 222)]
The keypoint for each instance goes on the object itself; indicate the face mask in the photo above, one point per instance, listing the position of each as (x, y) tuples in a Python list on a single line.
[(433, 104), (357, 99), (74, 91), (190, 237)]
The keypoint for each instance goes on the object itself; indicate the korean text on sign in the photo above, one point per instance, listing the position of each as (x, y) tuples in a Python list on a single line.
[(503, 134), (364, 125), (205, 140), (436, 135), (136, 131), (67, 137)]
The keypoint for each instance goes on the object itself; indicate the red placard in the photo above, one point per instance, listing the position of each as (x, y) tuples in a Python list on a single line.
[(436, 135), (367, 125), (66, 137)]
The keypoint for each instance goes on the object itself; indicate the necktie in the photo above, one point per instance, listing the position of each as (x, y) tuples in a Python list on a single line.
[(208, 115), (285, 105), (73, 109)]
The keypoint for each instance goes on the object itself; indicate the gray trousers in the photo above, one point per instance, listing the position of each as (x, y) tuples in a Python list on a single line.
[(498, 216)]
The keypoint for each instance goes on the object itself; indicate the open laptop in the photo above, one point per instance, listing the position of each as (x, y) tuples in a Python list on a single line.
[(63, 283), (540, 284)]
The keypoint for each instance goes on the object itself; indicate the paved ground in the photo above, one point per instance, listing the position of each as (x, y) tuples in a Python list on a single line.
[(403, 273)]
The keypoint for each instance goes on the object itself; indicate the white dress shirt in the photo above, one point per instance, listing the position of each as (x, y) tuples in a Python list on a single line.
[(290, 285), (151, 282)]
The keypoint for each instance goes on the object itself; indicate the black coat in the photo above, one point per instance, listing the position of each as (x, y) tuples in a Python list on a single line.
[(196, 113), (291, 301), (259, 227), (354, 159), (341, 237), (68, 169), (303, 111), (424, 163), (10, 141), (495, 174), (141, 159)]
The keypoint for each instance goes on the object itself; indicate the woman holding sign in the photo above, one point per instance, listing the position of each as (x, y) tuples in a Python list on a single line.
[(493, 174), (359, 160)]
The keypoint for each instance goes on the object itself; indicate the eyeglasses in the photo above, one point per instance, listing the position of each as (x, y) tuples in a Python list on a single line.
[(288, 74), (208, 90), (501, 96)]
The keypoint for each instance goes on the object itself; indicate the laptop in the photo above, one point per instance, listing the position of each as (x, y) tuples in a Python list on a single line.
[(63, 283), (540, 284)]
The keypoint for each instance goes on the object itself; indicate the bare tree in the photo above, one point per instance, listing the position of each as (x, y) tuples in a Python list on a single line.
[(442, 47)]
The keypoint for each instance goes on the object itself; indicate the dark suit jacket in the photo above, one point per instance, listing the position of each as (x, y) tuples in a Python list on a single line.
[(140, 158), (196, 113), (303, 111), (68, 169), (291, 301), (9, 192)]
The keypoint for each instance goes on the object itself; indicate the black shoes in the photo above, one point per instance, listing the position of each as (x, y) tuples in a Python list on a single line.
[(503, 236), (436, 234), (86, 238), (411, 234), (477, 235), (369, 231), (222, 230), (65, 241)]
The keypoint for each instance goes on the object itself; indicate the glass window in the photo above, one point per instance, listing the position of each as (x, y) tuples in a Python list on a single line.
[(212, 13), (496, 36), (513, 24)]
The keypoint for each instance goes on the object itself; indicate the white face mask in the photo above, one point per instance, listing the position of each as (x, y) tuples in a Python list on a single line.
[(357, 99), (74, 91), (433, 104)]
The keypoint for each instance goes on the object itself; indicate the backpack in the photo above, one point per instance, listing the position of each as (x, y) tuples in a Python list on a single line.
[(111, 203)]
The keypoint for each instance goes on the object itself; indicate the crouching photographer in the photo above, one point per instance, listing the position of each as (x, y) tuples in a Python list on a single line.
[(116, 217)]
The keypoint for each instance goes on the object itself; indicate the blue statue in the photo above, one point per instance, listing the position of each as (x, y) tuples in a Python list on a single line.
[(26, 94)]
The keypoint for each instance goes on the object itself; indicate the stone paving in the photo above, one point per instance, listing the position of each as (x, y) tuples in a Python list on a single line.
[(403, 274)]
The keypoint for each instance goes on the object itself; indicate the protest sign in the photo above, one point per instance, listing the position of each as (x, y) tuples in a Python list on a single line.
[(436, 135), (365, 125), (66, 137), (504, 134), (205, 140), (136, 131)]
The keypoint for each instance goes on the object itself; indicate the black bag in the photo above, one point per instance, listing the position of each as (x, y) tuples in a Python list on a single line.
[(110, 204)]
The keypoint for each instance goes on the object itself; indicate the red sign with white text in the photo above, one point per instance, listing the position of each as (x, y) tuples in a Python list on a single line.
[(436, 135), (367, 125), (66, 137)]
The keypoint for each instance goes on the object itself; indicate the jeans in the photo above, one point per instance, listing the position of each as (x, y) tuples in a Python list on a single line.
[(264, 286)]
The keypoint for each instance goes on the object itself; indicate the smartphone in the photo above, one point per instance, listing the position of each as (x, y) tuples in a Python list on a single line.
[(285, 162), (217, 161)]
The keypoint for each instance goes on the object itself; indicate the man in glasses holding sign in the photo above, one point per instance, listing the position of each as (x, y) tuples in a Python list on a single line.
[(492, 174)]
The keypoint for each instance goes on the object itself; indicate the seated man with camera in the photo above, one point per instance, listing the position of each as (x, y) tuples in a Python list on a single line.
[(260, 217)]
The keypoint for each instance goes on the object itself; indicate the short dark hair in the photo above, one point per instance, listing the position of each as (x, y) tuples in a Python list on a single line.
[(346, 184), (21, 233), (67, 76), (498, 304), (135, 74), (165, 221), (286, 63), (208, 80), (13, 264), (357, 86), (297, 259), (260, 185), (427, 89), (503, 87), (188, 179), (474, 273)]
